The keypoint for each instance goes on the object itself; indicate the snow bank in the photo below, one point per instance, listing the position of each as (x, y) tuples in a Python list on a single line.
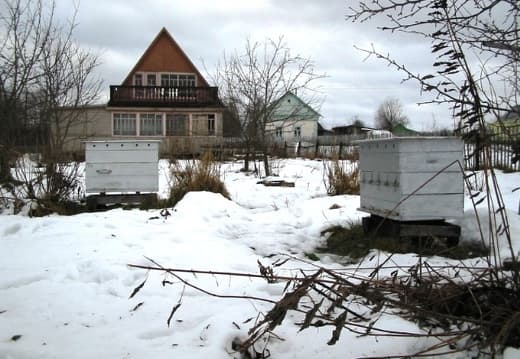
[(65, 283)]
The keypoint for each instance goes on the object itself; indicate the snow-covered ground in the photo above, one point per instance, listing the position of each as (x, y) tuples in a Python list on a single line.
[(65, 283)]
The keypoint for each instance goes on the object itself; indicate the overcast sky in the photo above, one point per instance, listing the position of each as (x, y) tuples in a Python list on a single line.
[(121, 30)]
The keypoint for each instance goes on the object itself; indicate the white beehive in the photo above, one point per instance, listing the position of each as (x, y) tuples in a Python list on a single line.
[(122, 166), (399, 178)]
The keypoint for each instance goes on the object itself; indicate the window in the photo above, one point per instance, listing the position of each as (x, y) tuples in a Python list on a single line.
[(298, 132), (150, 79), (203, 125), (177, 125), (168, 80), (183, 82), (278, 132), (178, 84), (150, 82), (190, 80), (178, 80), (124, 124), (211, 125), (138, 81), (150, 124), (186, 82)]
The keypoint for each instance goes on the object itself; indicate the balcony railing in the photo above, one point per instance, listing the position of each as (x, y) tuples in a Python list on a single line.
[(163, 96)]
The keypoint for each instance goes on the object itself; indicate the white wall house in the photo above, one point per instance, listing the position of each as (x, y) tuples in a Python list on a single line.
[(293, 120)]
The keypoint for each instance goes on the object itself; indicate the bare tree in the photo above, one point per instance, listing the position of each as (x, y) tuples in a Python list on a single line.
[(356, 121), (475, 69), (390, 114), (24, 31), (250, 82), (42, 71), (68, 85)]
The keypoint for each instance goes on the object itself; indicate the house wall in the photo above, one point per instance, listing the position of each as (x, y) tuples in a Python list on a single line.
[(96, 124), (308, 129), (82, 124)]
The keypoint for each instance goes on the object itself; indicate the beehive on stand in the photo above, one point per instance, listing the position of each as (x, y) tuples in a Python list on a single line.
[(119, 171), (412, 179)]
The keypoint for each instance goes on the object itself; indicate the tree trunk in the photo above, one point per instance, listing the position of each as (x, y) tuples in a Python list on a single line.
[(266, 164), (246, 161), (5, 169)]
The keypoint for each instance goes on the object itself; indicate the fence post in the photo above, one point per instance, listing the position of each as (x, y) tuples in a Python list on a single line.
[(317, 148), (477, 151)]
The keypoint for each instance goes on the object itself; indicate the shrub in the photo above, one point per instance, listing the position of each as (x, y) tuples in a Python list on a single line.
[(351, 154), (195, 175), (341, 177), (53, 185)]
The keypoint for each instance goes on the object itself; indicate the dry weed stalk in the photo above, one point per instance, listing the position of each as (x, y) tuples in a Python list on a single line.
[(341, 177), (195, 175), (456, 305)]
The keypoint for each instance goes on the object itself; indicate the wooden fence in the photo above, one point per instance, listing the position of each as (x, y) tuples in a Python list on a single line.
[(503, 149), (343, 146)]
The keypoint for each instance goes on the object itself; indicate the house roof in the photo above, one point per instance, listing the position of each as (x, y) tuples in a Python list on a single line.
[(401, 129), (323, 131), (364, 128), (164, 34), (300, 101)]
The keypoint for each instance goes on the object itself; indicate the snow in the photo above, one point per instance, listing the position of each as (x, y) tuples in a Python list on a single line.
[(65, 283)]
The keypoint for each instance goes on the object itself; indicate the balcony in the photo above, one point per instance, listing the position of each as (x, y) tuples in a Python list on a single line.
[(160, 96)]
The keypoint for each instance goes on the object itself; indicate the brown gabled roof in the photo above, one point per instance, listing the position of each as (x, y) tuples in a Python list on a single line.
[(180, 51)]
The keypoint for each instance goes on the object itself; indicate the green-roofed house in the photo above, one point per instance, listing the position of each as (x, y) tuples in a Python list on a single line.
[(292, 119), (401, 130)]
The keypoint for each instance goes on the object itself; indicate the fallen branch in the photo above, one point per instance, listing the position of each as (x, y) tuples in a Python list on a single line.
[(438, 297)]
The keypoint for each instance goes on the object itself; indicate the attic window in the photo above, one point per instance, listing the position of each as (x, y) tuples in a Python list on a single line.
[(150, 79), (138, 80), (289, 100), (178, 80)]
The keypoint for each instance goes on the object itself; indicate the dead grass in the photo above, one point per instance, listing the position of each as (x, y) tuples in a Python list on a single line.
[(341, 177), (351, 241), (195, 175)]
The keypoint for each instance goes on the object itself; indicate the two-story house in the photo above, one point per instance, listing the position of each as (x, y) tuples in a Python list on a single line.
[(163, 97)]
